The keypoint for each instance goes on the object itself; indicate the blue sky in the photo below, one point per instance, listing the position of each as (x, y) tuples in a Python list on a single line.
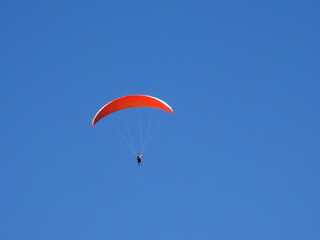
[(239, 159)]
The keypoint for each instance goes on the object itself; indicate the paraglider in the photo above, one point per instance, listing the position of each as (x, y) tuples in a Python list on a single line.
[(139, 158), (131, 101)]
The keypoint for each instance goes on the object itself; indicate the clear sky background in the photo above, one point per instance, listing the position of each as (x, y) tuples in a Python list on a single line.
[(239, 159)]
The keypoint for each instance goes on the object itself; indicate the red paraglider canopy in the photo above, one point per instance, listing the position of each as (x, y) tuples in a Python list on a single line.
[(130, 101)]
